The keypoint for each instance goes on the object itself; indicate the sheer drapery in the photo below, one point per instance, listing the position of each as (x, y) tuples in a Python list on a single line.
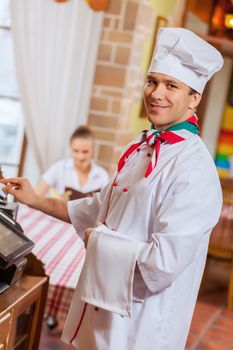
[(55, 48)]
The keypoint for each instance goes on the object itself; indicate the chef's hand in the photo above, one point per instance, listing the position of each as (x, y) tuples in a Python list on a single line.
[(21, 189), (88, 232)]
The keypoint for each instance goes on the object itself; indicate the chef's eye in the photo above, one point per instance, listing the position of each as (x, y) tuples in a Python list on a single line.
[(171, 86), (151, 81)]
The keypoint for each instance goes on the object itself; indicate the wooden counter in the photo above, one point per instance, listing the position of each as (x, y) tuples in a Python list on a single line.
[(21, 313)]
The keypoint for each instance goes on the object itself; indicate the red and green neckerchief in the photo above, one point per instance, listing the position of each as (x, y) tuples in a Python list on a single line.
[(154, 138)]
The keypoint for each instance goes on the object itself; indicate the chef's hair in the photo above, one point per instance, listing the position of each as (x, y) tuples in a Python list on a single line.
[(192, 91), (83, 132)]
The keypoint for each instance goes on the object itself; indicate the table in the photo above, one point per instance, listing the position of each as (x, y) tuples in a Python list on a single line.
[(61, 250)]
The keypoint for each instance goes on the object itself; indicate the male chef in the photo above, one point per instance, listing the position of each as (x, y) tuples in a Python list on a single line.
[(144, 262)]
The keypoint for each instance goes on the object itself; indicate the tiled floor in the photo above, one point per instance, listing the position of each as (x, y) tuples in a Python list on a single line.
[(211, 329)]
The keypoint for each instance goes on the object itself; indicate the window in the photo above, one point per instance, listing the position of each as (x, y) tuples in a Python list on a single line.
[(11, 116)]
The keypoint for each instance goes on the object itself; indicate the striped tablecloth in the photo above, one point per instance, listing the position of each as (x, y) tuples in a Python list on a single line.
[(58, 246)]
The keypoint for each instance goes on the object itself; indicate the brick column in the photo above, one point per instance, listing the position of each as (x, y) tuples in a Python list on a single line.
[(119, 78)]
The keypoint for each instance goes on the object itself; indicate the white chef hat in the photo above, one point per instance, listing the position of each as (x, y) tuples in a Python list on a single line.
[(186, 57)]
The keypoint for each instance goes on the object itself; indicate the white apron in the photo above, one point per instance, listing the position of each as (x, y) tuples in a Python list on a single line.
[(143, 268)]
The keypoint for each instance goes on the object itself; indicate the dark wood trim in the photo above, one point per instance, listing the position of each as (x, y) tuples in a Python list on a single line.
[(22, 156), (10, 97), (5, 27), (184, 15), (224, 45)]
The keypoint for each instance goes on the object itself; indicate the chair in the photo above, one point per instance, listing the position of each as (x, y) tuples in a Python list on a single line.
[(221, 240)]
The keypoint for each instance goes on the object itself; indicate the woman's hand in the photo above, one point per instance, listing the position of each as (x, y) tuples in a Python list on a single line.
[(21, 189)]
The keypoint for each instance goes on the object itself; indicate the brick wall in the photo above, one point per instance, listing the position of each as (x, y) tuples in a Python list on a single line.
[(118, 79)]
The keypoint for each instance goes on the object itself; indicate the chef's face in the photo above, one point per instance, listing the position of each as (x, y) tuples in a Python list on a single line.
[(168, 101), (82, 152)]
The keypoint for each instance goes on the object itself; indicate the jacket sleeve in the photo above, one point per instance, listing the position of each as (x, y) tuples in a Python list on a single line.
[(84, 212), (189, 211)]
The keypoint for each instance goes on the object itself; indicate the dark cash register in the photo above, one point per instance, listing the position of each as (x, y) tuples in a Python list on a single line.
[(14, 246)]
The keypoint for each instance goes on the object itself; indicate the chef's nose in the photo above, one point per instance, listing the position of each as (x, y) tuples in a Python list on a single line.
[(158, 92)]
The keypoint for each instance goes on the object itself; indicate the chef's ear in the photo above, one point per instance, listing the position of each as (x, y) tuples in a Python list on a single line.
[(195, 99)]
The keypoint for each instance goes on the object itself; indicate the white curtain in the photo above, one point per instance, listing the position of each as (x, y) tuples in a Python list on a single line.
[(55, 49)]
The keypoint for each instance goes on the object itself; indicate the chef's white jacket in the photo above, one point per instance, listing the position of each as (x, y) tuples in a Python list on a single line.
[(143, 267)]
